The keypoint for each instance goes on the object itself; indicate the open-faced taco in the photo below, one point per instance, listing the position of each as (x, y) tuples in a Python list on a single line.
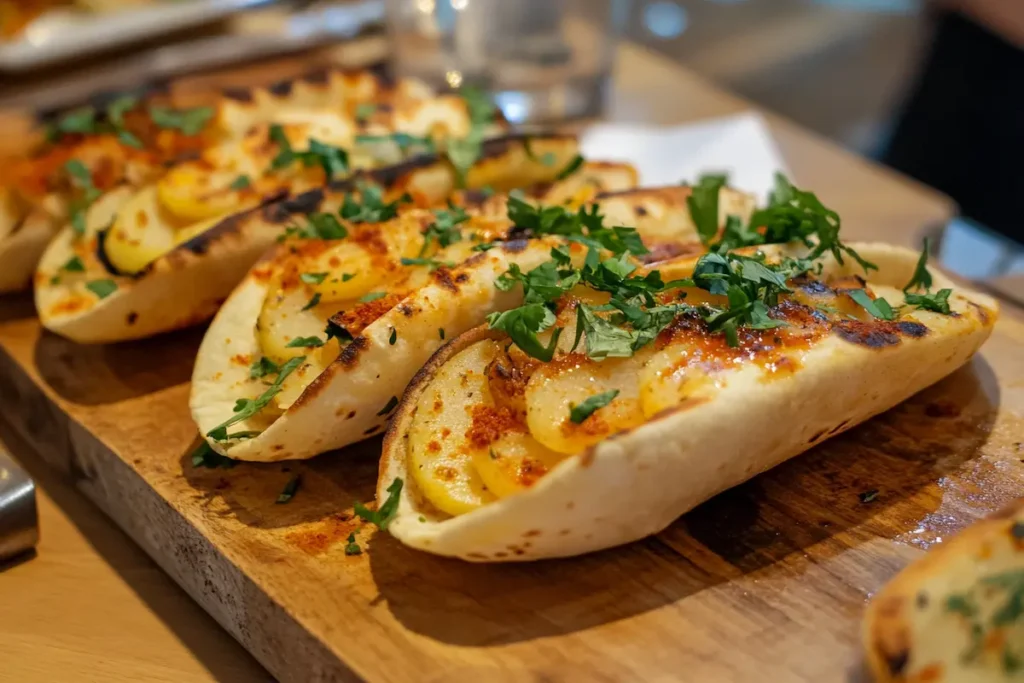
[(601, 407), (138, 267), (128, 141), (312, 350)]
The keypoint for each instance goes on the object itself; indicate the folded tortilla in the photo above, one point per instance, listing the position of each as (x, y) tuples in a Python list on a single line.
[(496, 468), (955, 615), (184, 275), (227, 142), (342, 394)]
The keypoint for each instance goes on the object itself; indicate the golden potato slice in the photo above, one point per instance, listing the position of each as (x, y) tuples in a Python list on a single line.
[(141, 233), (668, 380), (513, 463), (440, 453), (555, 388)]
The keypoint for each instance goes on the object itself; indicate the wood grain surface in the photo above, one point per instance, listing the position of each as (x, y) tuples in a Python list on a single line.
[(765, 582)]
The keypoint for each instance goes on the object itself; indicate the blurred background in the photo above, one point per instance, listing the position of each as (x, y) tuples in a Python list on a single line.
[(930, 88)]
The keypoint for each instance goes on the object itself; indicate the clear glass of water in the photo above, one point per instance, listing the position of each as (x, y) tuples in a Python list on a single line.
[(542, 60)]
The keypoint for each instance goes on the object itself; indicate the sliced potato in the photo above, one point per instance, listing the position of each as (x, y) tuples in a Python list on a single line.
[(141, 233), (513, 463), (555, 389), (441, 454)]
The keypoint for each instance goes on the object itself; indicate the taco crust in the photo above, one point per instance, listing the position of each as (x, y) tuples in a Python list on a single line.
[(918, 627), (615, 491)]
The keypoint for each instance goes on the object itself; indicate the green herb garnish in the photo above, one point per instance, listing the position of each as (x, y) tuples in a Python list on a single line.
[(570, 168), (921, 279), (289, 490), (703, 205), (394, 337), (371, 208), (313, 278), (404, 141), (372, 296), (444, 230), (579, 413), (305, 343), (313, 301), (205, 456), (937, 302), (80, 178), (333, 160), (878, 308), (263, 367), (548, 159), (101, 288), (73, 265), (386, 512), (247, 407), (433, 264), (351, 547), (188, 121), (240, 183)]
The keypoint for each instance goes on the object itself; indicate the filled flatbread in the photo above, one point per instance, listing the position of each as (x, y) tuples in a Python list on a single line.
[(599, 409), (311, 351), (138, 267), (957, 614), (129, 141)]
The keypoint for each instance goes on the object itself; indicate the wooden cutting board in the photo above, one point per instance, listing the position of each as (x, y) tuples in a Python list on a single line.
[(765, 582)]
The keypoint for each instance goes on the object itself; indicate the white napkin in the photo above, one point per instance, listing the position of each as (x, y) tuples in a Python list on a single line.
[(740, 145)]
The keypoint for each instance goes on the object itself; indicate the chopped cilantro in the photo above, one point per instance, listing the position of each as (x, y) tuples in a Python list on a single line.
[(386, 511), (394, 337), (263, 367), (80, 178), (305, 343), (205, 456), (313, 301), (433, 264), (570, 168), (319, 226), (73, 265), (522, 325), (351, 547), (921, 279), (547, 159), (101, 288), (372, 296), (290, 489), (371, 208), (333, 160), (247, 407), (440, 333), (878, 308), (444, 229), (937, 302), (703, 205), (345, 277), (868, 496), (404, 141), (579, 413), (313, 278), (240, 183), (188, 121)]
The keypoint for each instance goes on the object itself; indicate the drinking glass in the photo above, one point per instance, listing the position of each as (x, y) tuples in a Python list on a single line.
[(541, 60)]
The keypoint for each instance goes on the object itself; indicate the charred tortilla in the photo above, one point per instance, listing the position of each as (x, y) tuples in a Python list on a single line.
[(503, 456), (389, 295)]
